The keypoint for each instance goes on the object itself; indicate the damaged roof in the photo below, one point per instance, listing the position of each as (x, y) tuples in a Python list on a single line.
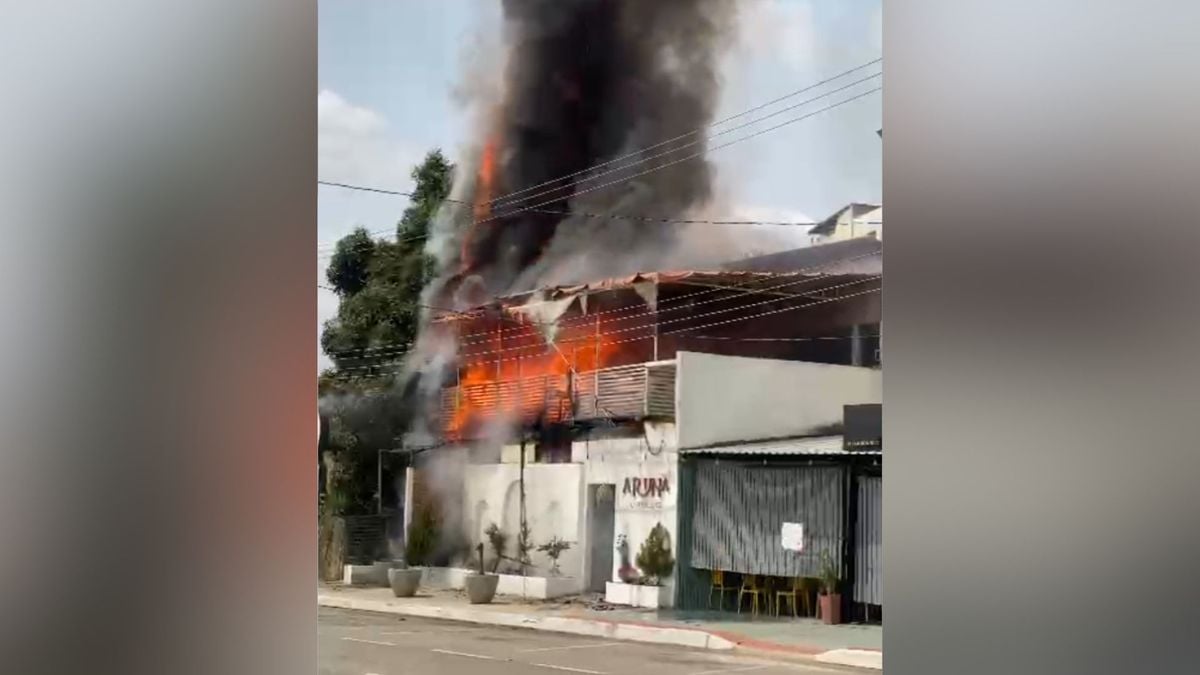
[(646, 283)]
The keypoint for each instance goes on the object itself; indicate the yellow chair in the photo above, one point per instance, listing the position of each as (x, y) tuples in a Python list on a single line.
[(800, 590), (717, 585), (752, 585)]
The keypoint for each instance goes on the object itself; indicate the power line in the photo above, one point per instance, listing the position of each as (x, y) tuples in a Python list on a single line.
[(692, 143), (689, 133), (685, 158), (647, 337), (526, 327), (742, 288), (586, 214), (656, 325), (535, 208)]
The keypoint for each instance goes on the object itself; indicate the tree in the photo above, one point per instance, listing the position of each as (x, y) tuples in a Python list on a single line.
[(348, 268), (379, 286), (380, 282)]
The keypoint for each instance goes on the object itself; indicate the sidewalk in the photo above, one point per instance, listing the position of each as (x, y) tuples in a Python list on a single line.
[(850, 645)]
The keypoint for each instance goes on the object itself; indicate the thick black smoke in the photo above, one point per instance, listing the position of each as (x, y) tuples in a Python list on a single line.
[(587, 81)]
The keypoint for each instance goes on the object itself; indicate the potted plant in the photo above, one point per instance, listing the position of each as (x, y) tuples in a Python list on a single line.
[(404, 581), (830, 601), (654, 558), (553, 549), (422, 539), (481, 586)]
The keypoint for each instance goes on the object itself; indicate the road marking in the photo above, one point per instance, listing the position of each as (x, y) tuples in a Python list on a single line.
[(467, 654), (735, 670), (569, 669), (370, 642), (399, 632), (555, 649)]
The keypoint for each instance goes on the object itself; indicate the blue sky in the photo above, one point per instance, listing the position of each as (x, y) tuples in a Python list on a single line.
[(388, 70)]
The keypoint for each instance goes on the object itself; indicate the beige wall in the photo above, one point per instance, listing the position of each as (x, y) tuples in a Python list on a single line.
[(724, 399), (614, 460), (553, 507)]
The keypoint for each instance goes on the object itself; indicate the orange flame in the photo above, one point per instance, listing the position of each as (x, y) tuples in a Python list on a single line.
[(485, 185), (520, 377)]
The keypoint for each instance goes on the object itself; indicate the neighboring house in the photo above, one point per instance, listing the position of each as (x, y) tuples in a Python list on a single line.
[(777, 506), (851, 221)]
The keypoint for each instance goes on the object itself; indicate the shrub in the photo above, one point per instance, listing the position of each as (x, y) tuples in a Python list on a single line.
[(553, 549), (422, 536), (829, 575), (654, 558)]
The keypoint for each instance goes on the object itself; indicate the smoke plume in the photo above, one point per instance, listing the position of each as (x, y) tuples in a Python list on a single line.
[(585, 82)]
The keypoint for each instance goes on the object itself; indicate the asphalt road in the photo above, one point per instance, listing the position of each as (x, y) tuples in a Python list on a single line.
[(364, 643)]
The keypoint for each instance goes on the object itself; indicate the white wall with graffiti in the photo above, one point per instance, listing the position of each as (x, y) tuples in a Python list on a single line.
[(643, 472)]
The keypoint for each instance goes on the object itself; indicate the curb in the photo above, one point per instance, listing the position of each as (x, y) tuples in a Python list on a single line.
[(612, 630)]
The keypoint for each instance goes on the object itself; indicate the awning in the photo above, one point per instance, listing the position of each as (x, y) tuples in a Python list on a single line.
[(803, 446)]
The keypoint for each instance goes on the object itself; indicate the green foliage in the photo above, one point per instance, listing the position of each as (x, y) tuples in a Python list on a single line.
[(380, 282), (433, 178), (422, 536), (379, 285), (829, 575), (498, 540), (349, 488), (553, 549), (348, 268), (654, 558)]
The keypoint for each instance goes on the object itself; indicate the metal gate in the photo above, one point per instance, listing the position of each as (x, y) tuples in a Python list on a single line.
[(868, 542), (740, 510)]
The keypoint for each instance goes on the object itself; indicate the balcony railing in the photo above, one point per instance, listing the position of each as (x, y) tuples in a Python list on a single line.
[(639, 391)]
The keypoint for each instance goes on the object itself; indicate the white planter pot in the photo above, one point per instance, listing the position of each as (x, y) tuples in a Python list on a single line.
[(374, 574), (633, 595), (404, 582), (481, 588), (539, 588)]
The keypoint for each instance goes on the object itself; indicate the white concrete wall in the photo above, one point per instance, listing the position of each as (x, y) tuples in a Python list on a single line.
[(724, 399), (553, 507), (612, 461)]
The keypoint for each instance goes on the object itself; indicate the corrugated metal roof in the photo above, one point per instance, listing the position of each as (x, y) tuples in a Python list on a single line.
[(808, 445)]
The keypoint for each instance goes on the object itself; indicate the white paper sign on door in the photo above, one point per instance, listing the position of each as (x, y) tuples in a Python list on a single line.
[(791, 536)]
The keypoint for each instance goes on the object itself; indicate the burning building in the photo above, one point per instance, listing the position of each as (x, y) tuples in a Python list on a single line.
[(558, 329), (603, 352)]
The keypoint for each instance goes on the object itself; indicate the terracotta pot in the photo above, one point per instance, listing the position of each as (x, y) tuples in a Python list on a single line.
[(481, 588), (404, 582), (831, 608)]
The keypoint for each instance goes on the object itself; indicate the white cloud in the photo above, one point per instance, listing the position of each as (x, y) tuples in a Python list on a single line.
[(354, 145)]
